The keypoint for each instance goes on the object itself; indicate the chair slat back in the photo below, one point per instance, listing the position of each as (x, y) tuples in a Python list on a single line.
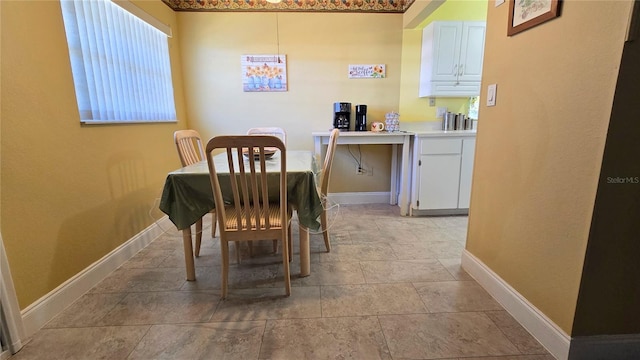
[(248, 182), (328, 160), (189, 145)]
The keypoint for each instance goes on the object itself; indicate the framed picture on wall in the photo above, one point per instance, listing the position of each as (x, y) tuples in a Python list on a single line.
[(525, 14), (264, 73)]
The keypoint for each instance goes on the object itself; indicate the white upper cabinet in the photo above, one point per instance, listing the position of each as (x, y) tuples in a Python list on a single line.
[(452, 55)]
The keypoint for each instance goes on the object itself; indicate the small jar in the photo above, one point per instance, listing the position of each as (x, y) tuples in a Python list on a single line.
[(392, 122)]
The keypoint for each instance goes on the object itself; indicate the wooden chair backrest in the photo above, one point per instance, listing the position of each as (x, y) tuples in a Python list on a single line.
[(189, 145), (328, 160), (250, 190)]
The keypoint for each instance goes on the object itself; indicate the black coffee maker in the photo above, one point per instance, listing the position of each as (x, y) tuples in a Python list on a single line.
[(361, 118), (342, 115)]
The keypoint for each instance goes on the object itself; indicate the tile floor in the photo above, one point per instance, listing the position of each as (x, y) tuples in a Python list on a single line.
[(391, 288)]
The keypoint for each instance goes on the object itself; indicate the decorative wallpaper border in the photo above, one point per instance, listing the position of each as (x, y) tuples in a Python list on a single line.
[(371, 6)]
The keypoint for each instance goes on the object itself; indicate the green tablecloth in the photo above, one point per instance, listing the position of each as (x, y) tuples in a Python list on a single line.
[(187, 194)]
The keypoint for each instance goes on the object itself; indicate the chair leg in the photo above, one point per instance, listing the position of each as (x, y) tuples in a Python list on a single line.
[(214, 221), (224, 245), (198, 237), (237, 244), (285, 265), (289, 243), (325, 231)]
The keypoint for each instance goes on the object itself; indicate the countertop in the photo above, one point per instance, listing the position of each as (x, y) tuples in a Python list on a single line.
[(433, 129)]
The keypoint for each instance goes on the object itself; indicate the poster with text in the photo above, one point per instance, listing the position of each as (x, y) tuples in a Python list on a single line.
[(264, 73)]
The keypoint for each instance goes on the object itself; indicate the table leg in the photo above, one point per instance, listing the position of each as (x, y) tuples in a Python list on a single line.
[(305, 252), (188, 254)]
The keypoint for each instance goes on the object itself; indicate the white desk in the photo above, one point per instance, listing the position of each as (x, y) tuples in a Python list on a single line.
[(400, 162)]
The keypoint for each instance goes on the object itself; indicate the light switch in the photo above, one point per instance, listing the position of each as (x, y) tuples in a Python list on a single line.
[(492, 91), (432, 101), (499, 2), (440, 111)]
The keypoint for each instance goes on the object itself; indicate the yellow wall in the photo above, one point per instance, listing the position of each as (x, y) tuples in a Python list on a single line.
[(539, 150), (70, 193), (319, 48), (412, 107)]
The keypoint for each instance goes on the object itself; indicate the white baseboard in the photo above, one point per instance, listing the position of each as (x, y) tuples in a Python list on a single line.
[(359, 197), (533, 320), (36, 315)]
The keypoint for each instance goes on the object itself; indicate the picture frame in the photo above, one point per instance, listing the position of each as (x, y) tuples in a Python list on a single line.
[(525, 14), (264, 72)]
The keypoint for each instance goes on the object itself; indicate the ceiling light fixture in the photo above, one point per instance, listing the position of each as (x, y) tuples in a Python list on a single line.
[(274, 1)]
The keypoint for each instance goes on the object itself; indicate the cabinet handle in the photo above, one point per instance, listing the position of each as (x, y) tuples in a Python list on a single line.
[(461, 70), (456, 73)]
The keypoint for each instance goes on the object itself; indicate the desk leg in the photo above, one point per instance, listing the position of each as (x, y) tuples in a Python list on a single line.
[(394, 175), (188, 254), (305, 252)]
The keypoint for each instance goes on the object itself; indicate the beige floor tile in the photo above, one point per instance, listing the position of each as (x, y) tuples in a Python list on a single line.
[(404, 271), (383, 235), (328, 338), (427, 250), (455, 296), (112, 342), (398, 268), (88, 310), (455, 269), (446, 335), (370, 299), (433, 234), (269, 303), (332, 273), (149, 258), (163, 308), (359, 252), (157, 279), (526, 343), (227, 340)]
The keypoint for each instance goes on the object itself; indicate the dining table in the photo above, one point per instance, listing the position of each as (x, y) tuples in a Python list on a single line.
[(187, 196)]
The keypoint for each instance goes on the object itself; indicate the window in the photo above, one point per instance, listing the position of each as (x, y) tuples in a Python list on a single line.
[(120, 64)]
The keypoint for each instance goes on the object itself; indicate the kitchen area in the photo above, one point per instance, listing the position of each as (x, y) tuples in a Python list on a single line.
[(431, 161)]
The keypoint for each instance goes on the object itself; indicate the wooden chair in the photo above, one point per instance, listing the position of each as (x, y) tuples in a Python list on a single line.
[(190, 151), (250, 216), (273, 131), (323, 189)]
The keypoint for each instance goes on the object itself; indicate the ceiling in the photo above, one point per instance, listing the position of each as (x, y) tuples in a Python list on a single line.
[(357, 6)]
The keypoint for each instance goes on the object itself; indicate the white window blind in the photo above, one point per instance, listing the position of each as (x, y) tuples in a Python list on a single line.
[(120, 64)]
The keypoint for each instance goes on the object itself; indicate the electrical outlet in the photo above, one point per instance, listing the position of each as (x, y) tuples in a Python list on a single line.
[(359, 170), (440, 111), (432, 101)]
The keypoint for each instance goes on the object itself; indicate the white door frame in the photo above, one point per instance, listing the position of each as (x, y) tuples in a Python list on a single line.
[(12, 328)]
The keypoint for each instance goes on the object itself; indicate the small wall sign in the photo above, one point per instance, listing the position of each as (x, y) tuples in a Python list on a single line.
[(367, 71)]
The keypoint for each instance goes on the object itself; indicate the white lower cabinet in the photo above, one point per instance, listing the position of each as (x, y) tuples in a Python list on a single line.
[(466, 171), (442, 178)]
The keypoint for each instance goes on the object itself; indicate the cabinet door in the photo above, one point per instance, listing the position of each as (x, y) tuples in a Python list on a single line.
[(466, 172), (439, 180), (446, 53), (472, 51)]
